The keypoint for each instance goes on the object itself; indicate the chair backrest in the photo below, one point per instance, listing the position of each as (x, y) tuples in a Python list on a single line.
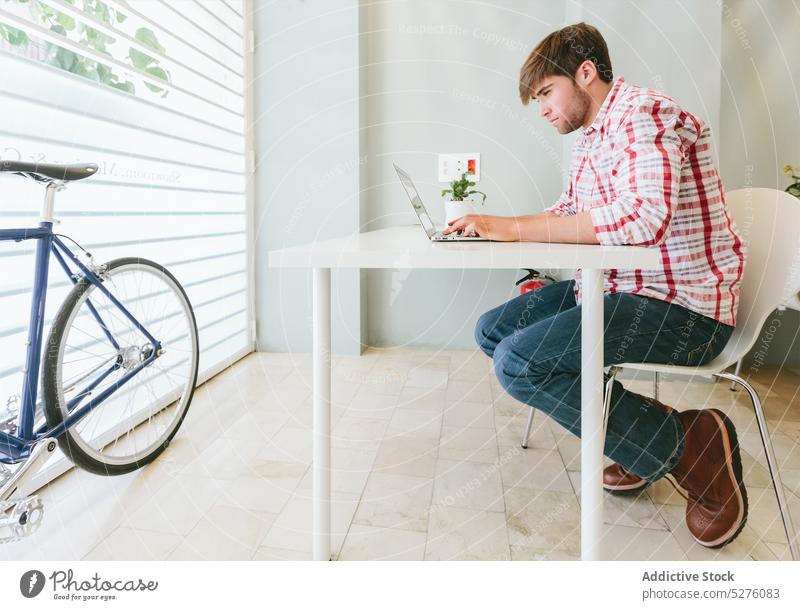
[(768, 221)]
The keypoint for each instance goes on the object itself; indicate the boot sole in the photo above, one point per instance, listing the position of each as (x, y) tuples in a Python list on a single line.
[(734, 465), (627, 490)]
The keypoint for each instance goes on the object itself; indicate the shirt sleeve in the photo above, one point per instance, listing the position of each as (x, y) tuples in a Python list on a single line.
[(565, 206), (645, 177)]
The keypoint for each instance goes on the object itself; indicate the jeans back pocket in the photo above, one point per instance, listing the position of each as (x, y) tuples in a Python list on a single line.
[(708, 350)]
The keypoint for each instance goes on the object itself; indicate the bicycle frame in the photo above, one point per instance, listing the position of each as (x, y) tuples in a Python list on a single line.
[(17, 447)]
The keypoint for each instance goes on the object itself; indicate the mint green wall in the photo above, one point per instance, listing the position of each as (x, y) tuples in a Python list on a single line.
[(307, 173)]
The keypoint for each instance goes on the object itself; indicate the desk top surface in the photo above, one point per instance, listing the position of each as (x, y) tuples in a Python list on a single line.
[(407, 247)]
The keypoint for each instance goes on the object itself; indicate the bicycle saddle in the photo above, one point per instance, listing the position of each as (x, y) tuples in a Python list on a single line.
[(48, 171)]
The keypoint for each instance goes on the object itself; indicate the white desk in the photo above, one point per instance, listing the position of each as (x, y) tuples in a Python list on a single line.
[(407, 247)]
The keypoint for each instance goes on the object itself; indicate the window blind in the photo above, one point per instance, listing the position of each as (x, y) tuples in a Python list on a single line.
[(154, 93)]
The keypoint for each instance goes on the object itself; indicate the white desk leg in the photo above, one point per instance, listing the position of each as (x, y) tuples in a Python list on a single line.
[(592, 440), (322, 414)]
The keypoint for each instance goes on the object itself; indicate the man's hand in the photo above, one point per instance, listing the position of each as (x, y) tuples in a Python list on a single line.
[(499, 228)]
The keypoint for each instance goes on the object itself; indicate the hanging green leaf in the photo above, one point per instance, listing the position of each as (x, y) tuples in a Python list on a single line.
[(104, 73), (158, 73), (15, 37), (67, 22), (140, 60), (127, 86), (65, 59), (148, 38), (91, 38)]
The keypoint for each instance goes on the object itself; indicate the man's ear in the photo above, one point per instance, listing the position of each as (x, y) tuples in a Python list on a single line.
[(586, 73)]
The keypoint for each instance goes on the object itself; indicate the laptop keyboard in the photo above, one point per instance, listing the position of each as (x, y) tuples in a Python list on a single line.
[(440, 236)]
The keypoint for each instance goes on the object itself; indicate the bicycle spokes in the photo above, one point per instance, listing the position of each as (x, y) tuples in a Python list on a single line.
[(127, 367)]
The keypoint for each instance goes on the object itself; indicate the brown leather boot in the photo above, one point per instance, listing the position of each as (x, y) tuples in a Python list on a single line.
[(619, 480), (710, 470)]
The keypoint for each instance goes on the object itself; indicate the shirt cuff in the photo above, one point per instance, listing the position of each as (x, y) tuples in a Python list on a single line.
[(605, 226), (558, 210)]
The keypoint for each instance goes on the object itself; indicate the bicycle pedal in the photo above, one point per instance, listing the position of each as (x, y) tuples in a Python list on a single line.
[(20, 518)]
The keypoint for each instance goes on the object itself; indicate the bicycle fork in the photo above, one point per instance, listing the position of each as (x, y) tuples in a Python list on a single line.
[(21, 514)]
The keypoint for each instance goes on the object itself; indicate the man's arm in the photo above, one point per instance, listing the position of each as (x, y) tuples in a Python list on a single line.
[(646, 182), (544, 227), (646, 177), (550, 227)]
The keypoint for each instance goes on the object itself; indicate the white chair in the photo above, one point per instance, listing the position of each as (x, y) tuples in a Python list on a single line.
[(768, 222), (793, 303)]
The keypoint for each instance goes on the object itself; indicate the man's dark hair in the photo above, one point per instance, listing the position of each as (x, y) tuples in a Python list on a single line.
[(561, 53)]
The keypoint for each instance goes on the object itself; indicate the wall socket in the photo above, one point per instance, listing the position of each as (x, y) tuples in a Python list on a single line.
[(452, 165)]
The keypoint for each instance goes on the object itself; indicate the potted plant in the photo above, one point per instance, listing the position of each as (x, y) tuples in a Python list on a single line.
[(794, 187), (458, 204)]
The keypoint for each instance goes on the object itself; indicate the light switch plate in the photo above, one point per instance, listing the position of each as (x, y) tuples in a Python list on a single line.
[(452, 165)]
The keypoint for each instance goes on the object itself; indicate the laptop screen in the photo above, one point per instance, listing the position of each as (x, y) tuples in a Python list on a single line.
[(411, 191)]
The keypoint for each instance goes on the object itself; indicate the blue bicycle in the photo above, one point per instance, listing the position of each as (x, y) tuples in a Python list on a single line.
[(118, 367)]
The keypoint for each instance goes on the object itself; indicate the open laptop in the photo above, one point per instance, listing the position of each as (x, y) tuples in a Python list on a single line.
[(427, 224)]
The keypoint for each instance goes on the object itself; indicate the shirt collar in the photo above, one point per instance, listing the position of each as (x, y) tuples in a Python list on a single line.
[(612, 96)]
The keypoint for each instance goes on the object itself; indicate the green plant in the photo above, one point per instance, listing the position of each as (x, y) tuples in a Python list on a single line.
[(794, 187), (91, 38), (460, 189)]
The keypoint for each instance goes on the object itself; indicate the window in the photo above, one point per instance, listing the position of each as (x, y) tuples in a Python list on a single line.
[(153, 92)]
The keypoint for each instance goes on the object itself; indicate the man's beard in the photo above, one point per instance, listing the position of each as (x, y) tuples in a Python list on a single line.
[(575, 115)]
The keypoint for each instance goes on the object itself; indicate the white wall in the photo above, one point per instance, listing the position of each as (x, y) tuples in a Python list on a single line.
[(760, 93), (670, 46), (761, 115)]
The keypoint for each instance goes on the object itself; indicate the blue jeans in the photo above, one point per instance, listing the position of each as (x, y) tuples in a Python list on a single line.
[(535, 342)]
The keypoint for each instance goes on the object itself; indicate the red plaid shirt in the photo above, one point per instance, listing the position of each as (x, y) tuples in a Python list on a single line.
[(644, 171)]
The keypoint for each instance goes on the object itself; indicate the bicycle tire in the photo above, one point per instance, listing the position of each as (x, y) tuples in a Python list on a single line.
[(70, 443)]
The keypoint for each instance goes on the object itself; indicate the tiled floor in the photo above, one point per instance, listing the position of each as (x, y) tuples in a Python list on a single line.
[(427, 466)]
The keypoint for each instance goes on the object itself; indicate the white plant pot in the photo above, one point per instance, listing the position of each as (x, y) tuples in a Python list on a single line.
[(457, 209)]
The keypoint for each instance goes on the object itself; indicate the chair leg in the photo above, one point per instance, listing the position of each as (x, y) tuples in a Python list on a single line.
[(612, 373), (527, 429), (606, 401), (771, 463), (737, 373), (655, 384)]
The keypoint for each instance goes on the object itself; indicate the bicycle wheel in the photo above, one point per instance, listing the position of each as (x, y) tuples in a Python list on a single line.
[(136, 422)]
